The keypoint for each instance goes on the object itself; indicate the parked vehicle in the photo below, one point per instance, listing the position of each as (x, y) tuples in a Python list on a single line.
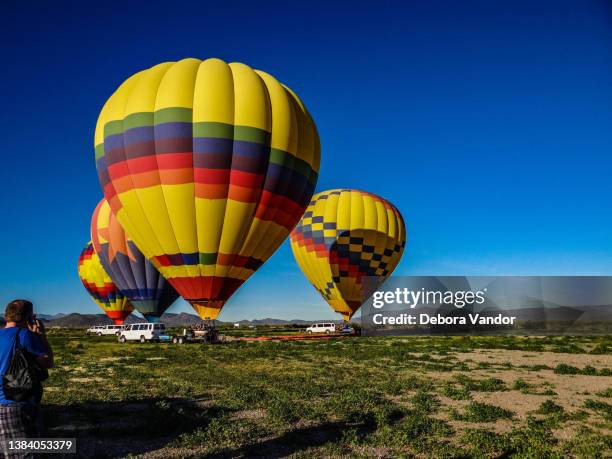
[(142, 332), (102, 330), (322, 327), (203, 332), (95, 329), (110, 330)]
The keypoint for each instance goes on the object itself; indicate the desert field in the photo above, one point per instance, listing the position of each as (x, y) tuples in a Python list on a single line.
[(354, 396)]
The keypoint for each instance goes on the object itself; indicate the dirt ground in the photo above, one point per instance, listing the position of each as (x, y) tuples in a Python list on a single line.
[(571, 390), (367, 397)]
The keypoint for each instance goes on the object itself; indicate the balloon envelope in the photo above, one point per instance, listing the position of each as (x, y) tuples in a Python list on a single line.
[(131, 272), (208, 166), (346, 235), (101, 287)]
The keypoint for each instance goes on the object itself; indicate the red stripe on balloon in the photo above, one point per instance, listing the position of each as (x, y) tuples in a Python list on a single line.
[(210, 288)]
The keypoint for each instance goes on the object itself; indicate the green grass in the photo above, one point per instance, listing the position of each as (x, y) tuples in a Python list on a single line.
[(588, 370), (550, 407), (348, 397), (482, 412), (481, 385), (456, 392), (607, 393), (601, 407), (587, 444), (485, 443), (425, 402)]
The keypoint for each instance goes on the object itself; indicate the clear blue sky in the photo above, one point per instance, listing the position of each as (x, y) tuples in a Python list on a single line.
[(488, 124)]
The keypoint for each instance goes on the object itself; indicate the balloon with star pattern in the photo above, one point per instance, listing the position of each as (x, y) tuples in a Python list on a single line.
[(134, 275)]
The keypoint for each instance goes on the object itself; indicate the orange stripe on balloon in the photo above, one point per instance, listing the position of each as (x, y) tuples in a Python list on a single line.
[(176, 176), (241, 194), (206, 191)]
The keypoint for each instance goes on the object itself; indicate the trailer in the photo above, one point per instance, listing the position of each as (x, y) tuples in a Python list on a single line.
[(204, 332)]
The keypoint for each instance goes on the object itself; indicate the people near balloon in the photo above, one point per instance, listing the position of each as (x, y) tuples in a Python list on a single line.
[(344, 236), (135, 276), (100, 286), (207, 166)]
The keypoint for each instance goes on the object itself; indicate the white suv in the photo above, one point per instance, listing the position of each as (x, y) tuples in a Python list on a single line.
[(95, 330), (326, 327), (142, 332), (111, 330), (105, 330)]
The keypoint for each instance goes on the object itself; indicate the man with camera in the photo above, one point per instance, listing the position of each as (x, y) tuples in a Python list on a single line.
[(25, 356)]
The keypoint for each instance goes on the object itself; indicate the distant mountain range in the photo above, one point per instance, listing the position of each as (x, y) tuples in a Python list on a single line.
[(183, 319)]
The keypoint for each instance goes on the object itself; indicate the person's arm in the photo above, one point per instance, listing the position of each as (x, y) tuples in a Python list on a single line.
[(45, 360), (41, 348)]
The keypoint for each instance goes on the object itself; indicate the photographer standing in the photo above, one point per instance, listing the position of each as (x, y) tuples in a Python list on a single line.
[(19, 413)]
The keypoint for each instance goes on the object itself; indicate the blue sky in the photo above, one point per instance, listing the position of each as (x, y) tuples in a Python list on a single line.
[(486, 123)]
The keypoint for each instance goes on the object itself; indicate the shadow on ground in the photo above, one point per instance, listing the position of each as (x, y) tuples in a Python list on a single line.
[(294, 441), (118, 429)]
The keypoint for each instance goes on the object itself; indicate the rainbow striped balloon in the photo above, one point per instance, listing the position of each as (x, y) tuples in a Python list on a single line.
[(208, 166), (100, 286), (344, 236)]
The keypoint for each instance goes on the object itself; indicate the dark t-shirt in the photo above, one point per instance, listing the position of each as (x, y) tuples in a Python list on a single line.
[(28, 340)]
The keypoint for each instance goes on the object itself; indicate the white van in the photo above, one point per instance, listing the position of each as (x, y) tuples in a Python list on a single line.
[(142, 332), (323, 327)]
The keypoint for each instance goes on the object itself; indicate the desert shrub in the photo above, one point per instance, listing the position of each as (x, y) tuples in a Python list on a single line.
[(481, 385), (485, 443), (522, 385), (587, 444), (425, 402), (602, 349), (535, 440), (550, 407), (603, 408), (564, 369), (482, 412), (456, 393), (605, 393)]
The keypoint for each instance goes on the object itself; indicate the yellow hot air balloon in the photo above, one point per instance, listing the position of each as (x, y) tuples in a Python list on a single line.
[(346, 235), (100, 286), (208, 166)]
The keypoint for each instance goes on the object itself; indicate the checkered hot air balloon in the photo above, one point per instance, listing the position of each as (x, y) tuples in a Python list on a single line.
[(344, 236), (101, 287), (129, 269), (208, 166)]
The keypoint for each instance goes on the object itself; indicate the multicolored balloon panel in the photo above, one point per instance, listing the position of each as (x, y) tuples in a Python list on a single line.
[(208, 166), (100, 286), (346, 235), (131, 272)]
